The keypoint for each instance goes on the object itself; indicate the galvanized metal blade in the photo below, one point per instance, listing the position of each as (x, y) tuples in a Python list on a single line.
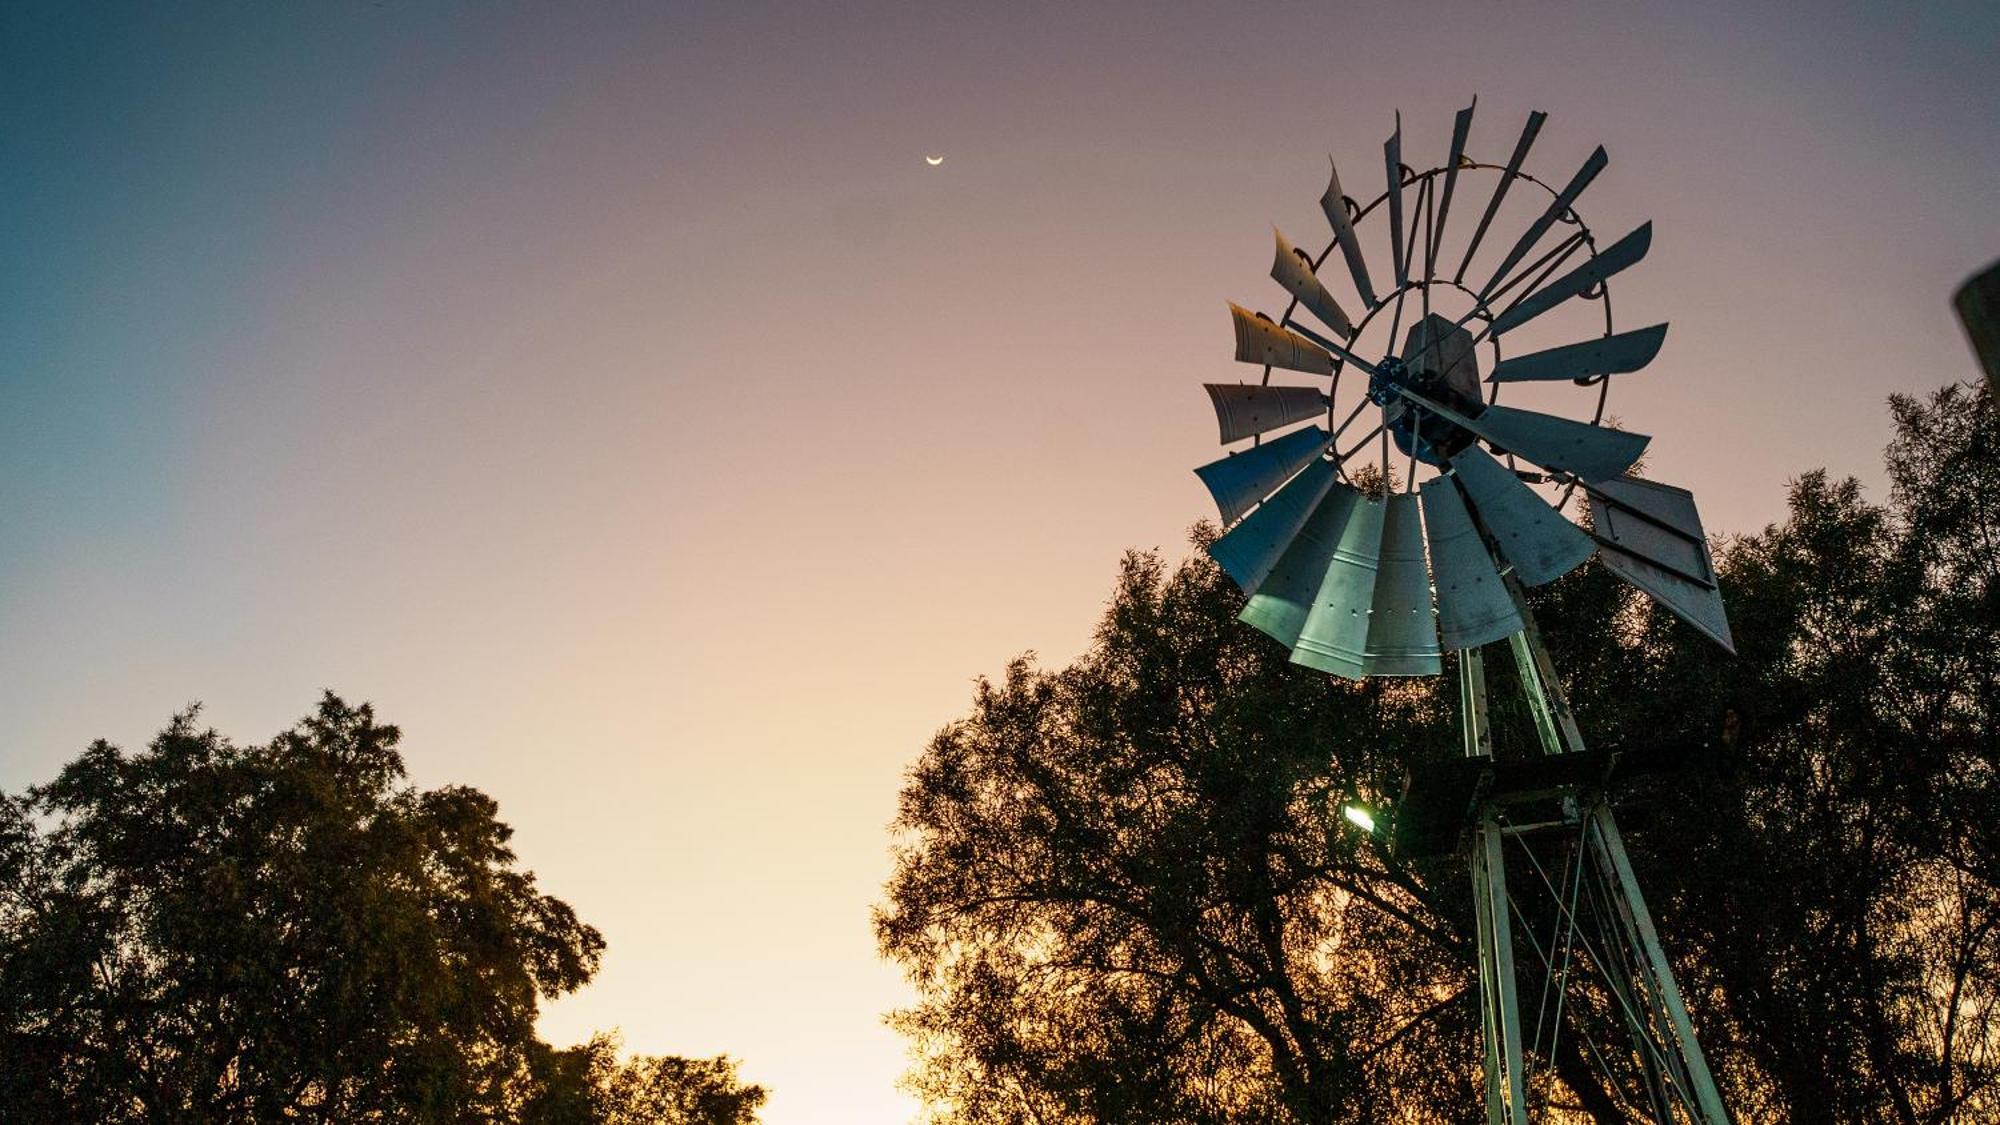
[(1243, 410), (1343, 233), (1650, 535), (1521, 147), (1461, 127), (1392, 156), (1694, 604), (1559, 206), (1240, 480), (1260, 341), (1535, 538), (1402, 630), (1294, 271), (1656, 520), (1253, 547), (1335, 636), (1284, 600), (1473, 605), (1607, 262), (1592, 453), (1606, 355)]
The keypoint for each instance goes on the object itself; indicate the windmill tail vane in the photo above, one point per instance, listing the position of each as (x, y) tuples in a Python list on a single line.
[(1359, 574)]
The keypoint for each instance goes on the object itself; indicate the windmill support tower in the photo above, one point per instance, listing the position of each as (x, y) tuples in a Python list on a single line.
[(1361, 575), (1558, 827)]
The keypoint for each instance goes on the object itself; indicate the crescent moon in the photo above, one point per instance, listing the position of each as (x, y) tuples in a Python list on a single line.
[(934, 161)]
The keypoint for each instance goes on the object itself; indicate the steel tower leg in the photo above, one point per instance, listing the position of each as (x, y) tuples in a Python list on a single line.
[(1620, 941), (1553, 720), (1506, 1089), (1506, 1101), (1683, 1049), (1472, 704)]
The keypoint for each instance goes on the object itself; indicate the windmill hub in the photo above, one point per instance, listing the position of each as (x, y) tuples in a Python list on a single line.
[(1389, 374), (1419, 432)]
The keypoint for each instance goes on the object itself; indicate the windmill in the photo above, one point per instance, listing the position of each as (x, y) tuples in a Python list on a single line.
[(1360, 569)]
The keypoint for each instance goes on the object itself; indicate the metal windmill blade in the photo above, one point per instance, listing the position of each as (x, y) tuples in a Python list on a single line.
[(1243, 410), (1239, 481), (1649, 534), (1334, 204), (1461, 127), (1473, 606), (1294, 270), (1402, 637), (1625, 252)]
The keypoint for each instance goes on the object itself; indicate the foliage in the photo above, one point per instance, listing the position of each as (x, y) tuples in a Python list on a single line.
[(211, 932), (1124, 893), (588, 1085)]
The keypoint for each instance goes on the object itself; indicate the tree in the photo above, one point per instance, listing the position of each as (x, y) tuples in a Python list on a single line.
[(1843, 889), (211, 932), (588, 1085), (1124, 894)]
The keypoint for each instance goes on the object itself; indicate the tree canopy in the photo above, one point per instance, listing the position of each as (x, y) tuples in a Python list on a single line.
[(208, 932), (589, 1085), (1124, 893)]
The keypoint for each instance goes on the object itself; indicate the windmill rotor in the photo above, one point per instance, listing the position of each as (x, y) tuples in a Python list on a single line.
[(1427, 360)]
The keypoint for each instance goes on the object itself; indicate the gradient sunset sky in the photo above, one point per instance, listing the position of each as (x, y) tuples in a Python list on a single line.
[(613, 395)]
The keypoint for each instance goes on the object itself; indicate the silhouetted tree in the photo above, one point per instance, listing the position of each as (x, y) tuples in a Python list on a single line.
[(1124, 894), (206, 932), (1839, 880), (589, 1085)]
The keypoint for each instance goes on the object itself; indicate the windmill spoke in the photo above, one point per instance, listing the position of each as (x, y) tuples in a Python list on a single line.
[(1339, 350), (1356, 413), (1549, 262), (1538, 270), (1396, 317), (1343, 458), (1416, 443)]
